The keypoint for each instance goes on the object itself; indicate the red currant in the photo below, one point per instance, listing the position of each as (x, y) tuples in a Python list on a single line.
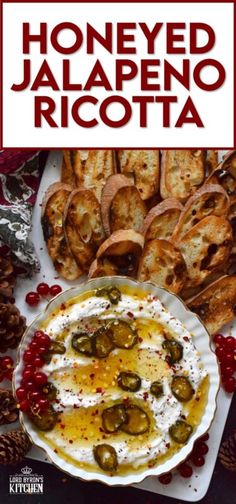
[(28, 374), (30, 386), (38, 362), (230, 343), (25, 405), (37, 335), (6, 363), (42, 349), (35, 396), (205, 437), (44, 340), (185, 470), (201, 448), (226, 371), (228, 358), (198, 460), (219, 339), (220, 352), (29, 356), (229, 384), (21, 393), (43, 404), (40, 378), (33, 346), (32, 298), (165, 479), (55, 289), (43, 289)]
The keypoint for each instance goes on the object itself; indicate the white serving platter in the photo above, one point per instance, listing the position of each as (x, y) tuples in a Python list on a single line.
[(192, 489)]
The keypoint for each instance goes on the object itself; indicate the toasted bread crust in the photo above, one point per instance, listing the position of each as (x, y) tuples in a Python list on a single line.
[(92, 168), (67, 173), (225, 175), (83, 226), (210, 199), (162, 219), (53, 206), (163, 264), (145, 166), (211, 160), (182, 172), (123, 249), (205, 248), (216, 304), (102, 267), (127, 210), (113, 184)]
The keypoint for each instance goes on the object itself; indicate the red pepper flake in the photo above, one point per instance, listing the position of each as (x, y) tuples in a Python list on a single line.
[(186, 338), (99, 390), (62, 426), (55, 450), (126, 400), (145, 396), (167, 445), (71, 441), (140, 308), (140, 339), (63, 306), (86, 439), (130, 314), (101, 430), (92, 375)]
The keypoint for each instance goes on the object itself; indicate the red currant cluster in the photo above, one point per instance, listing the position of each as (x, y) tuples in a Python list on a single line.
[(226, 354), (30, 393), (6, 368), (196, 457), (43, 289)]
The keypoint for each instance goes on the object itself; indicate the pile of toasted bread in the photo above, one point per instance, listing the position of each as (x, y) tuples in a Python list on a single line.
[(165, 216)]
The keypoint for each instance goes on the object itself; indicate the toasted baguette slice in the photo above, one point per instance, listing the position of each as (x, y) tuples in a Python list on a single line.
[(182, 172), (205, 248), (145, 167), (92, 168), (83, 226), (162, 219), (163, 264), (53, 207), (216, 304), (123, 249), (210, 199), (121, 205), (67, 173), (225, 174), (211, 160), (102, 267)]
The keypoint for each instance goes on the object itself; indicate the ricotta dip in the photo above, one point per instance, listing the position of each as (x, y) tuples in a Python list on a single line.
[(87, 385)]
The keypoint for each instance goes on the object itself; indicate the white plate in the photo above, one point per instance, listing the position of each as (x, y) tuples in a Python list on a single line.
[(192, 489)]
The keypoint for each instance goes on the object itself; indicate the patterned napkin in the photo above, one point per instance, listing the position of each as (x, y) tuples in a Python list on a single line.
[(20, 174)]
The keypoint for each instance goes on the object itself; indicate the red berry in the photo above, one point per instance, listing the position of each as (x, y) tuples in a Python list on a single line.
[(226, 371), (35, 396), (21, 393), (38, 362), (28, 374), (205, 437), (55, 289), (40, 378), (44, 340), (229, 384), (37, 335), (42, 349), (25, 405), (228, 358), (198, 460), (185, 470), (30, 386), (33, 346), (6, 362), (165, 479), (32, 298), (220, 352), (28, 356), (43, 289), (43, 404), (201, 448), (219, 339), (230, 343)]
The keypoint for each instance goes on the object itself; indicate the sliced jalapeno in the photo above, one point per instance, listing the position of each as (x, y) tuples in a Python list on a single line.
[(56, 347), (113, 294), (82, 343), (182, 388), (137, 421), (102, 343), (156, 389), (113, 418), (174, 349), (45, 421), (123, 336), (129, 381), (180, 431), (50, 391), (106, 457)]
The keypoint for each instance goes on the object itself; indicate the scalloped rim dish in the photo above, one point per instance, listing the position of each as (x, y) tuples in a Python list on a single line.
[(201, 340)]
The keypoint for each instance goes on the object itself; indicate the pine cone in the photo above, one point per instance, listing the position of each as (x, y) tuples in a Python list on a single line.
[(12, 326), (7, 279), (227, 453), (13, 447), (8, 408)]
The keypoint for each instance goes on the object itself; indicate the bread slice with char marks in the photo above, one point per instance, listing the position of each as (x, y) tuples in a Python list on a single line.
[(67, 173), (83, 226), (121, 205), (205, 248), (161, 220), (53, 207), (123, 249), (162, 264), (211, 160), (216, 305), (102, 267), (182, 172), (225, 175), (210, 199), (92, 168), (144, 165)]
